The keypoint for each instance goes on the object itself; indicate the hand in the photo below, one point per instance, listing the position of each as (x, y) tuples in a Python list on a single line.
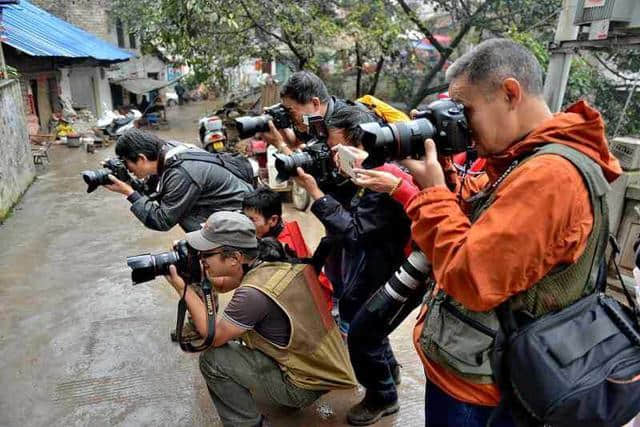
[(428, 171), (380, 181), (119, 186), (309, 183), (273, 136), (175, 280)]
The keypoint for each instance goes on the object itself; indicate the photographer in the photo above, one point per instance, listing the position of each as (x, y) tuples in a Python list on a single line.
[(188, 190), (303, 95), (292, 352), (528, 237), (372, 230)]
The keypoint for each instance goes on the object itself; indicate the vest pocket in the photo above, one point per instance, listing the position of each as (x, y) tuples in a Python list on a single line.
[(459, 339)]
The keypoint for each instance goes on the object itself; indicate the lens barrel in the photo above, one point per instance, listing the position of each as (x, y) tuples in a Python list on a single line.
[(248, 126), (96, 178), (287, 165)]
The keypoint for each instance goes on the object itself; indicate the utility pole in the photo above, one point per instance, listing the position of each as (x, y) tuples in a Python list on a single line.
[(560, 62)]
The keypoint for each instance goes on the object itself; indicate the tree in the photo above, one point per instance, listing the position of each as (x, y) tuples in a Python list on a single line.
[(473, 20)]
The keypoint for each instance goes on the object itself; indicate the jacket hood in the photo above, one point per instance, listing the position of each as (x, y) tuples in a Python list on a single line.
[(580, 127)]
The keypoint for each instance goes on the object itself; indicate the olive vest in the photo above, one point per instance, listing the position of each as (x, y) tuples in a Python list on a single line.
[(461, 340), (315, 357)]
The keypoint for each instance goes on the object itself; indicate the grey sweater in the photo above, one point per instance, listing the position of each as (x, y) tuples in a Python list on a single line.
[(188, 192)]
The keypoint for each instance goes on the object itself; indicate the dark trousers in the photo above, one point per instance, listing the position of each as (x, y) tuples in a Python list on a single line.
[(369, 347), (371, 355), (442, 410)]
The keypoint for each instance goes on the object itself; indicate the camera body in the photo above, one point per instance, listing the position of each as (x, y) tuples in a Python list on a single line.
[(315, 159), (248, 126), (444, 121), (113, 166), (146, 267)]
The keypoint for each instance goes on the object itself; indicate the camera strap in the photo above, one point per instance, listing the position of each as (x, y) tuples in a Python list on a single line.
[(211, 320)]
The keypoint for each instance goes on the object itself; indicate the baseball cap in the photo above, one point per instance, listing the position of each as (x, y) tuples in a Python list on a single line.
[(224, 229)]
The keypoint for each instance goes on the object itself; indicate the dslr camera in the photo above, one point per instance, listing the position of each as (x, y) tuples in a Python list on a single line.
[(444, 121), (146, 267), (314, 159), (113, 166), (248, 126)]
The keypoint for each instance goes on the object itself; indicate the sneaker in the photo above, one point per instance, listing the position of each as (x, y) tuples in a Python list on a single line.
[(189, 333), (396, 374), (370, 410)]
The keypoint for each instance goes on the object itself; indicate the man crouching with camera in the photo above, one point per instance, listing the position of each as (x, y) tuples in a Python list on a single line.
[(273, 342)]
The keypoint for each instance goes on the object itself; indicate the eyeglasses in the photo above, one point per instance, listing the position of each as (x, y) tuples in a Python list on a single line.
[(210, 253)]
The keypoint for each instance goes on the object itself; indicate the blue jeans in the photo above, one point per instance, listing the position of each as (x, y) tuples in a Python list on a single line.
[(442, 410)]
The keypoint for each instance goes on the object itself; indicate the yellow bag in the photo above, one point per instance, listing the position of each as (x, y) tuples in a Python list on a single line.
[(383, 110)]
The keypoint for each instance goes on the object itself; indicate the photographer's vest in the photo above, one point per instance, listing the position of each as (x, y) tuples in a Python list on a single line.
[(315, 357), (461, 340)]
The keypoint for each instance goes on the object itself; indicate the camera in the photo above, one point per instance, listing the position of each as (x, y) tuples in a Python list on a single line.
[(147, 267), (403, 292), (248, 126), (314, 159), (113, 166), (443, 121)]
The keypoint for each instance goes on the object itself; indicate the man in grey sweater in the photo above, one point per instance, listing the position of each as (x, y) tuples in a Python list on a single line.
[(191, 183)]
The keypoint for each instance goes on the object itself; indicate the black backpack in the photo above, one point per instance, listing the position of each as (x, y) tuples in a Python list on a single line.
[(235, 163)]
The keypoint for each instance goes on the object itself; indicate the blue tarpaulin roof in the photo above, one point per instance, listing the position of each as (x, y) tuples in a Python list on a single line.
[(38, 33)]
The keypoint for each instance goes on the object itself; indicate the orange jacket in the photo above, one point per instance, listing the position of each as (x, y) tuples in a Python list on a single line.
[(541, 217)]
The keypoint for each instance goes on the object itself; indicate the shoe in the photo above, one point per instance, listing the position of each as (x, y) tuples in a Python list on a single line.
[(396, 374), (370, 410), (189, 333)]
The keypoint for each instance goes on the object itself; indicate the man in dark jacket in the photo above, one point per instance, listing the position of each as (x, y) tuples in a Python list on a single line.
[(372, 231), (188, 191)]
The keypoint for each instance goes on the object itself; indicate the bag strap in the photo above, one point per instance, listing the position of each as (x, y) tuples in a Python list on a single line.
[(211, 320), (213, 158), (632, 303)]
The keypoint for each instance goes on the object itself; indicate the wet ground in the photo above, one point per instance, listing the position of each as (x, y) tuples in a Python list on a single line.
[(80, 345)]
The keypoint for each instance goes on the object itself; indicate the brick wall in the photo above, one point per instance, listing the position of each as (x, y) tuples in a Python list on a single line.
[(90, 15), (16, 164)]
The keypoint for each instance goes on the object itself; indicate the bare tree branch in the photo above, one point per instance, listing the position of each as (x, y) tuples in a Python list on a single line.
[(414, 18)]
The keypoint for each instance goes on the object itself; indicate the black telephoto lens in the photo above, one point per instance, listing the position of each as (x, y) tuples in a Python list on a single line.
[(248, 126), (146, 267), (287, 165)]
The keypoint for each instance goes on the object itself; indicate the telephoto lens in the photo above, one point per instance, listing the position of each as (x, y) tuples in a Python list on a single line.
[(287, 165), (403, 291), (314, 159), (146, 267), (248, 126), (443, 121)]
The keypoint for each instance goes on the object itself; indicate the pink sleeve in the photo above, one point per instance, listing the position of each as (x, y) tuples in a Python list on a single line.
[(407, 188)]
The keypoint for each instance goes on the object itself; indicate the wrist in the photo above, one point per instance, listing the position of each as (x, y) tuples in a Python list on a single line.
[(395, 186)]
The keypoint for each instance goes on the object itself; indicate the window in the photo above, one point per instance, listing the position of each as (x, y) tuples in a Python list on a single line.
[(132, 40), (120, 32)]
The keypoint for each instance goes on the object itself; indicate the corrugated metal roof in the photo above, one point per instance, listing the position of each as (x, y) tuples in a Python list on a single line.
[(38, 33)]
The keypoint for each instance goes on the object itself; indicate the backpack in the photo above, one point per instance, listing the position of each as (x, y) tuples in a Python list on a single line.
[(383, 110), (235, 163)]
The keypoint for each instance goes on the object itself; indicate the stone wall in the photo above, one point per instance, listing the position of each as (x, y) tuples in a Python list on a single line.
[(16, 163)]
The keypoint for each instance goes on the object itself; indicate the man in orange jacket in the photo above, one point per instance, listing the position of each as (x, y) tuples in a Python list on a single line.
[(532, 222)]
